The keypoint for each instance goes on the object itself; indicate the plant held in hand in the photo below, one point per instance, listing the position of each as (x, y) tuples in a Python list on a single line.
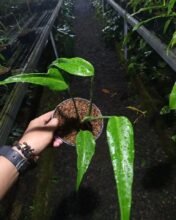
[(119, 129)]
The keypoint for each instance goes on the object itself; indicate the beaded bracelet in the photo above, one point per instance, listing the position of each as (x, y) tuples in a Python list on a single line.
[(26, 151)]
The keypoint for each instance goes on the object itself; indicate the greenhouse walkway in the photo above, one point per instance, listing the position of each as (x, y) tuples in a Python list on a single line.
[(52, 195), (152, 195)]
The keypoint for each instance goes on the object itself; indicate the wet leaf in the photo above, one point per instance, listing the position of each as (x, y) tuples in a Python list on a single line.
[(54, 72), (52, 81), (172, 98), (85, 147), (74, 66), (121, 146)]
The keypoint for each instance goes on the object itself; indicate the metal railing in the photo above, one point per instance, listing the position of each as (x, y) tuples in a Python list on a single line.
[(14, 101), (149, 37)]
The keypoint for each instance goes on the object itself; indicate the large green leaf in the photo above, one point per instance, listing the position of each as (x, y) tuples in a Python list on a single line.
[(53, 81), (85, 148), (172, 98), (75, 66), (54, 72), (121, 146)]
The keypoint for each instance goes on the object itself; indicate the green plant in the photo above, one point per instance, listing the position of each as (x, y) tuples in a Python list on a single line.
[(112, 26), (97, 5), (171, 107), (139, 55), (63, 34), (158, 10), (119, 129), (172, 98)]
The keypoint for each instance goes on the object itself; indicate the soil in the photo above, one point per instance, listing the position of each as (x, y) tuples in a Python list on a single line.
[(70, 120), (51, 194)]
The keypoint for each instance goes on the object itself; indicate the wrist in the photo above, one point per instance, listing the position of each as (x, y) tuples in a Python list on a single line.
[(26, 151), (16, 149), (37, 149), (21, 163)]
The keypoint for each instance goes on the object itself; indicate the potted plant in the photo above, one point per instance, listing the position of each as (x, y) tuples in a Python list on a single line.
[(119, 129)]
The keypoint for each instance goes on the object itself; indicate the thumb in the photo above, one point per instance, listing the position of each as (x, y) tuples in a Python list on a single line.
[(54, 122)]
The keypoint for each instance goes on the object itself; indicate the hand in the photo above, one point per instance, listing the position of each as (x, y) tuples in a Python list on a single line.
[(40, 132)]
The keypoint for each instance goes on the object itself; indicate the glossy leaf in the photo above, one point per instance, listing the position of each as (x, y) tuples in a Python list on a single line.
[(54, 72), (85, 148), (74, 66), (121, 146), (53, 81), (172, 98)]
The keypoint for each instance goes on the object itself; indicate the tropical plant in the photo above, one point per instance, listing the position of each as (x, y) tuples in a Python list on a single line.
[(64, 35), (119, 129), (97, 4), (158, 10), (113, 24), (172, 106)]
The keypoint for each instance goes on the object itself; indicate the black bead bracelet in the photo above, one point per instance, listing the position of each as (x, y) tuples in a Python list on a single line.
[(26, 150)]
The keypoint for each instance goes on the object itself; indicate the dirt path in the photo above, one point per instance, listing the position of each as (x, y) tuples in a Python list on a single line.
[(153, 195)]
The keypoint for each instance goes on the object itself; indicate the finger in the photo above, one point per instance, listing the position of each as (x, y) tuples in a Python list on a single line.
[(46, 117), (53, 123), (57, 142)]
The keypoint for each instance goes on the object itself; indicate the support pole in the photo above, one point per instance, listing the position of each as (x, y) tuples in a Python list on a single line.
[(149, 37), (125, 34), (14, 100), (53, 44), (103, 6)]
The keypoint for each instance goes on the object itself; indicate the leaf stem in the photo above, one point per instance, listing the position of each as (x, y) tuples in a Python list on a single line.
[(74, 103), (91, 95)]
